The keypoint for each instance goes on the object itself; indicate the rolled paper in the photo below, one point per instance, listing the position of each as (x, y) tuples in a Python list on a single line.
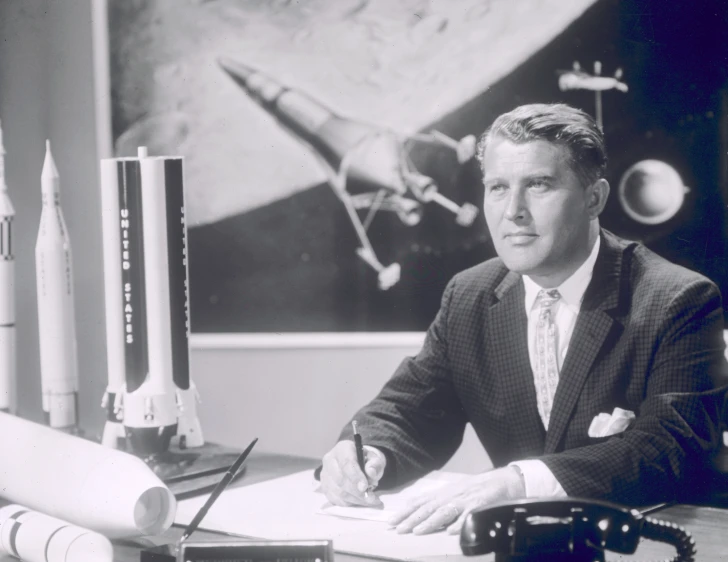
[(35, 537), (79, 481)]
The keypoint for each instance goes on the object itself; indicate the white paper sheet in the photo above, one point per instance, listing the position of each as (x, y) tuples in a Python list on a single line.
[(291, 508), (391, 501)]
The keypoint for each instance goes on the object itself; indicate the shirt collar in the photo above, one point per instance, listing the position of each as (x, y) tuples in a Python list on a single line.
[(572, 290)]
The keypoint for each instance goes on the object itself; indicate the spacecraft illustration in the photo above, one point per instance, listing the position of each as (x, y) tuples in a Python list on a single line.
[(578, 79), (369, 167), (150, 398), (650, 192)]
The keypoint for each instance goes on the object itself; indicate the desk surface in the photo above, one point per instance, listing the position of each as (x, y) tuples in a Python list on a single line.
[(709, 526)]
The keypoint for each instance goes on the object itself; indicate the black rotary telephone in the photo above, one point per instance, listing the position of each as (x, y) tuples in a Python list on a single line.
[(565, 530)]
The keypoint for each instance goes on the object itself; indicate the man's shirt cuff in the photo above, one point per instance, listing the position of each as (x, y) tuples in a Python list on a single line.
[(540, 482)]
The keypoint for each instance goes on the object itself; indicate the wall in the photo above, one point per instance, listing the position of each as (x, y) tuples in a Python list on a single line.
[(294, 399), (46, 92), (23, 111)]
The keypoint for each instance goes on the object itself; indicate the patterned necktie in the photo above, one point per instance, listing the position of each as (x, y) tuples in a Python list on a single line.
[(546, 376)]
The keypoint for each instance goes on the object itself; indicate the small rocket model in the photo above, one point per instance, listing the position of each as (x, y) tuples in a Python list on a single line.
[(577, 79), (35, 537), (369, 167), (56, 319), (149, 392), (8, 369)]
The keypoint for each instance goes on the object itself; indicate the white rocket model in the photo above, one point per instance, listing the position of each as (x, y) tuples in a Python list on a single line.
[(8, 369), (36, 537), (56, 318), (147, 327)]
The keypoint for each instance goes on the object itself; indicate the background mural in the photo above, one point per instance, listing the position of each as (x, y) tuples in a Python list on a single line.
[(327, 143)]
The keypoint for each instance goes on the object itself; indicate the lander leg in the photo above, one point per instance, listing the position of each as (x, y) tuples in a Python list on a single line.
[(426, 191), (387, 276)]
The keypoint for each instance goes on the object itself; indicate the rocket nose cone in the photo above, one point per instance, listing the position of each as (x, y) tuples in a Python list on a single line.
[(49, 164), (237, 70)]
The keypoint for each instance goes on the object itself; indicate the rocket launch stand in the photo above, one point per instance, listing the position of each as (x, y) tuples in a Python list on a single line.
[(190, 472), (177, 454), (182, 459)]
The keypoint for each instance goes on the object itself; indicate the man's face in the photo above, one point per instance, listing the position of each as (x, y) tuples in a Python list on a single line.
[(537, 209)]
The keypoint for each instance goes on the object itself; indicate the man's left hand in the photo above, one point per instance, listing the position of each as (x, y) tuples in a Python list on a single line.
[(448, 506)]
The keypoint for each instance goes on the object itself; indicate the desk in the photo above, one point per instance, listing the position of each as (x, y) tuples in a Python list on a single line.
[(709, 526)]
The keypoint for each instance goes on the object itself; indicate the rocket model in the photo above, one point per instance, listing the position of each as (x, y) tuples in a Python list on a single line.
[(56, 320), (147, 327), (8, 369), (368, 166), (36, 537), (577, 79)]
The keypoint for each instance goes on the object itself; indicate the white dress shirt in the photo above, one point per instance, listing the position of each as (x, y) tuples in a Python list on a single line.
[(539, 480)]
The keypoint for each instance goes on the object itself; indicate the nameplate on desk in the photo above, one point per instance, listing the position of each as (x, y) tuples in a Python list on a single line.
[(241, 550)]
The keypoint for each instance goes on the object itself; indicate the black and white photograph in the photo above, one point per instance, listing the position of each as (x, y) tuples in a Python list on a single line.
[(413, 280)]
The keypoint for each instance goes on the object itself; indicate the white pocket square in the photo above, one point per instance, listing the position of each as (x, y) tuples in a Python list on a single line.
[(605, 424)]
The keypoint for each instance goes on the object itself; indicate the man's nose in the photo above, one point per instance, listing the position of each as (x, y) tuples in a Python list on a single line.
[(515, 205)]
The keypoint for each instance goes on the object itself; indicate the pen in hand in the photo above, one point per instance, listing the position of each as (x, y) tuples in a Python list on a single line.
[(360, 454)]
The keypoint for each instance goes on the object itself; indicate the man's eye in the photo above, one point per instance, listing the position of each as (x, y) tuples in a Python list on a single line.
[(497, 188), (539, 186)]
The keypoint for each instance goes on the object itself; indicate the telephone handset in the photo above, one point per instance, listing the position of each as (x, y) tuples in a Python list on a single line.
[(570, 529)]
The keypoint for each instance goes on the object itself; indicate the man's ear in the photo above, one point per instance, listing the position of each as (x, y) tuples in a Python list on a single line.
[(597, 197)]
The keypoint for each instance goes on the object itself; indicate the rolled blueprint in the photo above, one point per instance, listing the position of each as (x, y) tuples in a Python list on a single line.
[(35, 537), (104, 490)]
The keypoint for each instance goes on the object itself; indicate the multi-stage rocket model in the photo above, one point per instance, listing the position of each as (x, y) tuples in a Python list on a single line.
[(369, 167), (7, 293), (36, 537), (56, 319), (147, 327), (82, 482)]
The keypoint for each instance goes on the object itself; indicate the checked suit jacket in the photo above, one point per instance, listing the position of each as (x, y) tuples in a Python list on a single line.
[(648, 339)]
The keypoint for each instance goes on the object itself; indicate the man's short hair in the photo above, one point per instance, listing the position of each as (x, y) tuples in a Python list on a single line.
[(557, 123)]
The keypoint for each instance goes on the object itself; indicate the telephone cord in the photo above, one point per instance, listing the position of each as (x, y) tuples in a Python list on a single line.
[(671, 533)]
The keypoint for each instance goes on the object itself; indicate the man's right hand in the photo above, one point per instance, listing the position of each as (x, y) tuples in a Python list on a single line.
[(343, 481)]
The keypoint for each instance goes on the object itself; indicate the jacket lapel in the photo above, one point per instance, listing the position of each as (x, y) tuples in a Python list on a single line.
[(507, 344), (592, 328)]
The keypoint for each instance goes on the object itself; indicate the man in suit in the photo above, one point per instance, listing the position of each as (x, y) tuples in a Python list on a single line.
[(567, 323)]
